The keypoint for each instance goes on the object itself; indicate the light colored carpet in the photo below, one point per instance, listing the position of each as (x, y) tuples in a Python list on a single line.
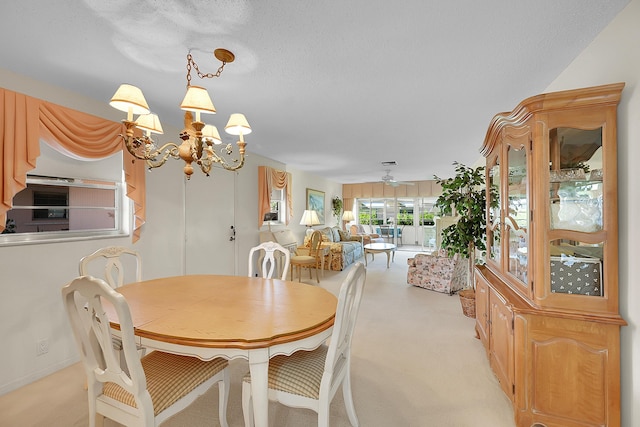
[(415, 362)]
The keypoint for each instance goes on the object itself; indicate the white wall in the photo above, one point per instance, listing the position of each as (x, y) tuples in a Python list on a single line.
[(31, 276), (614, 56)]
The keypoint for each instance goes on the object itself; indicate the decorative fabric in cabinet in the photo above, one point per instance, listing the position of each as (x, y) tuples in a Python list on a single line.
[(573, 275)]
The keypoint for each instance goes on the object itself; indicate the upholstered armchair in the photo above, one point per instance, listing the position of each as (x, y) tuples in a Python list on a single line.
[(358, 230), (438, 272)]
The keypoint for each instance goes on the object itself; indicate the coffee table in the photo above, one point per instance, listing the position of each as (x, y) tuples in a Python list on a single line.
[(376, 248)]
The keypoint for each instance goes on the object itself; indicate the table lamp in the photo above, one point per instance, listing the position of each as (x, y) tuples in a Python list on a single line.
[(347, 216), (310, 218)]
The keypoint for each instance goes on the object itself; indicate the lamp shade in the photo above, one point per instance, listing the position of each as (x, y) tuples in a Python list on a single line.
[(130, 99), (149, 122), (348, 216), (210, 133), (197, 99), (237, 125), (310, 218)]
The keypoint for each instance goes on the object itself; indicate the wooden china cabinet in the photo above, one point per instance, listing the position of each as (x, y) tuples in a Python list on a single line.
[(547, 298)]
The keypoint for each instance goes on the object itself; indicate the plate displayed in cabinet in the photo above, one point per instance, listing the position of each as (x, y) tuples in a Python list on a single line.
[(567, 175), (596, 175)]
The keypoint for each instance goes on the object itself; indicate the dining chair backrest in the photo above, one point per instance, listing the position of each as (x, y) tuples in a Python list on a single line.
[(151, 389), (310, 379), (115, 258), (315, 242), (83, 300), (271, 257), (349, 300)]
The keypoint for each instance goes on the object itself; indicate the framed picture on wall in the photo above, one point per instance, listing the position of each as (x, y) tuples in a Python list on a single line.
[(315, 201)]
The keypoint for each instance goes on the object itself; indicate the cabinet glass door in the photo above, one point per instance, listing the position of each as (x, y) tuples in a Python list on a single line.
[(517, 211), (576, 211), (494, 220)]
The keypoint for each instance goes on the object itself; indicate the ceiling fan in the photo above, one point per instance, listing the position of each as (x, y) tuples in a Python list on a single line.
[(388, 180)]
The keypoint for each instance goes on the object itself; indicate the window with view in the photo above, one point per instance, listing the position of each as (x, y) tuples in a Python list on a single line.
[(55, 207), (278, 203)]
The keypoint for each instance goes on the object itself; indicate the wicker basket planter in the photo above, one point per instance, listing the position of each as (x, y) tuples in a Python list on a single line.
[(468, 301)]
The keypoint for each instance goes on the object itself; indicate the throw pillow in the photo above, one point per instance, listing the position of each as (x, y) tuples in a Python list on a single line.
[(327, 235), (345, 236), (335, 231)]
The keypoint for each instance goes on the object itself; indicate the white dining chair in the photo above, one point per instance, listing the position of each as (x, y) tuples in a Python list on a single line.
[(156, 387), (310, 379), (114, 258), (271, 257), (111, 260)]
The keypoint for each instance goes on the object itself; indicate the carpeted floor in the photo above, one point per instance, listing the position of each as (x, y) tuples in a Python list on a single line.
[(415, 363)]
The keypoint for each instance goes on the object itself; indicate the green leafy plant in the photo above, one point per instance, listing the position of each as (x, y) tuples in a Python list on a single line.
[(368, 219), (427, 218), (336, 206), (464, 196), (405, 218)]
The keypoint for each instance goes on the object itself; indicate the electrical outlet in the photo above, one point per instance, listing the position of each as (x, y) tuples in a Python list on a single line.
[(42, 347)]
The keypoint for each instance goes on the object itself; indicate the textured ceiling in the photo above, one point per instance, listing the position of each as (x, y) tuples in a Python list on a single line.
[(330, 87)]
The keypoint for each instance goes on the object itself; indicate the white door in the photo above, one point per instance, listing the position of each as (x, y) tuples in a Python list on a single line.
[(209, 213)]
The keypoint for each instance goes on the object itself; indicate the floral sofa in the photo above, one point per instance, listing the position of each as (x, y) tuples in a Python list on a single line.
[(438, 272), (345, 248)]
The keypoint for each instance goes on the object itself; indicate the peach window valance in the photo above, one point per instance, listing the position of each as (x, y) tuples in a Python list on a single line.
[(268, 179), (25, 120)]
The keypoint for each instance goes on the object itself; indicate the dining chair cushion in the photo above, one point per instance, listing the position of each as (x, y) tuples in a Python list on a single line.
[(164, 371), (303, 259), (300, 373)]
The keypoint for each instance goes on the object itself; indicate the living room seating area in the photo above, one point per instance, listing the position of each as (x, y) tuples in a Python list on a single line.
[(345, 248), (367, 236)]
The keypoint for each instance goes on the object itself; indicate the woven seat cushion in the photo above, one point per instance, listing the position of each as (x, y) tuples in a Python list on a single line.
[(303, 259), (300, 373), (169, 378)]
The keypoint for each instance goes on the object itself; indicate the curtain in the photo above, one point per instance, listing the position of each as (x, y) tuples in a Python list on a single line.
[(347, 204), (25, 120), (268, 179)]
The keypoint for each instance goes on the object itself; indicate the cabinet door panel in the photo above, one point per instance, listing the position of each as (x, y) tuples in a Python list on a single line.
[(501, 342), (482, 310), (571, 366)]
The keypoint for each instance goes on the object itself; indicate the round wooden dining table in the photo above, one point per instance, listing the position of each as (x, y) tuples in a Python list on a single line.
[(208, 316)]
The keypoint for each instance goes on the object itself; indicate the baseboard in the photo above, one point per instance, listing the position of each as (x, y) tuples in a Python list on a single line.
[(36, 375)]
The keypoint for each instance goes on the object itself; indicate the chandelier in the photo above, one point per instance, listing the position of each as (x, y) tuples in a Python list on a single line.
[(201, 143)]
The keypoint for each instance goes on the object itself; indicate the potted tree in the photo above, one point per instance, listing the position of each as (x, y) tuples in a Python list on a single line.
[(464, 196)]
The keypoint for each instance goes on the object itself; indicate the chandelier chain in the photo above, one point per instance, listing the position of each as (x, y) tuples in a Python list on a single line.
[(191, 63)]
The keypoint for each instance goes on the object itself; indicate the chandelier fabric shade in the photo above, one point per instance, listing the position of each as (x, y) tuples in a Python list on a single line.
[(149, 123), (129, 99), (238, 125), (210, 133), (197, 99), (199, 140)]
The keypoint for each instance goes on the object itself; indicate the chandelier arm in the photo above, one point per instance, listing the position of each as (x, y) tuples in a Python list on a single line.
[(203, 162), (239, 162), (170, 149), (143, 148)]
